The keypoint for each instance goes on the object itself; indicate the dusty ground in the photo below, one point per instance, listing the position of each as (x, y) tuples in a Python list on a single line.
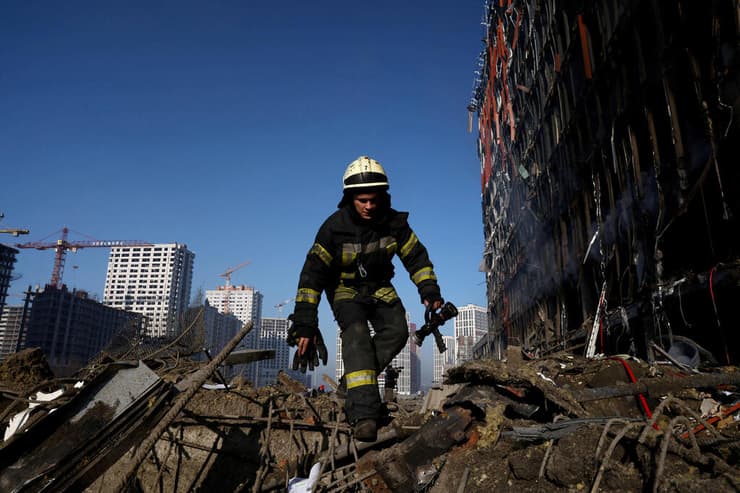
[(21, 372)]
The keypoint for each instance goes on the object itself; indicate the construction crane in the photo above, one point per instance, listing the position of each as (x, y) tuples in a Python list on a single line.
[(227, 283), (12, 231), (62, 245), (280, 305)]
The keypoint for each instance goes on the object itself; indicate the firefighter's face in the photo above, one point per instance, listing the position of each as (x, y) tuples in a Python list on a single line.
[(365, 204)]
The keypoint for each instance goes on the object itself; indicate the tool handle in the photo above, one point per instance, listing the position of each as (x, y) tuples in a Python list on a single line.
[(441, 346)]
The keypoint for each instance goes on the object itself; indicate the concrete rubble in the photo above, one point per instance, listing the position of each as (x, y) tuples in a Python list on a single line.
[(562, 423)]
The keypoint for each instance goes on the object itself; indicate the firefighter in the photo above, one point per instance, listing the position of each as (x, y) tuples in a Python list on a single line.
[(351, 261)]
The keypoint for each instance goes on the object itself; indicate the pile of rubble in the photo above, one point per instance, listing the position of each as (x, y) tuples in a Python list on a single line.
[(558, 424)]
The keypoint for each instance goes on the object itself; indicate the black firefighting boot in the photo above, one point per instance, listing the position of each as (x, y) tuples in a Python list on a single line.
[(365, 430)]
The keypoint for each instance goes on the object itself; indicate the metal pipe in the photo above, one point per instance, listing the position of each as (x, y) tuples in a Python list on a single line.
[(198, 379)]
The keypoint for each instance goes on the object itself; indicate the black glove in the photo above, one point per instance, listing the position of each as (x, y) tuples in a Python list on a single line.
[(433, 298), (315, 351), (321, 351), (298, 330), (292, 337)]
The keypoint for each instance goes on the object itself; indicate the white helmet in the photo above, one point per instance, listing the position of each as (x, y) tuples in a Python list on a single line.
[(365, 172)]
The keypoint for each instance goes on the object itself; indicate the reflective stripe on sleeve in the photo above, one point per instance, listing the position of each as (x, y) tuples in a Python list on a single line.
[(423, 274), (389, 244), (409, 245), (360, 378), (321, 252), (308, 295)]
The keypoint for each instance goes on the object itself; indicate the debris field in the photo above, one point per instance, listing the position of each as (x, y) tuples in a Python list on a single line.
[(562, 423)]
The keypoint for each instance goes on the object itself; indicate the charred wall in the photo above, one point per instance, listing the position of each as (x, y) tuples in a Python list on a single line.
[(608, 138)]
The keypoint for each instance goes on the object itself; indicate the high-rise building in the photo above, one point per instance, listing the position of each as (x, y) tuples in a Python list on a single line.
[(471, 324), (7, 259), (339, 362), (216, 330), (11, 320), (71, 328), (220, 328), (153, 280), (443, 361), (415, 356), (273, 336), (245, 303), (401, 362)]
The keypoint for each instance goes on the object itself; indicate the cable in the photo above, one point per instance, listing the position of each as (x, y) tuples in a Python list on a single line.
[(716, 314), (640, 397)]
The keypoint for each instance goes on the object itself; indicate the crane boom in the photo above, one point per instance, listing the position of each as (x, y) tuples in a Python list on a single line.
[(62, 245), (231, 270), (227, 284), (280, 305)]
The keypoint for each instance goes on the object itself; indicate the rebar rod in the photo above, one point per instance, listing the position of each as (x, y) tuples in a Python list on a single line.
[(198, 379)]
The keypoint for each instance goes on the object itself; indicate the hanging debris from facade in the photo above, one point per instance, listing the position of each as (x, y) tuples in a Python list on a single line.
[(608, 141)]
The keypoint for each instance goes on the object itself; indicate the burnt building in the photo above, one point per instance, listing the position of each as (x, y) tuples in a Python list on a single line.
[(608, 136), (71, 328)]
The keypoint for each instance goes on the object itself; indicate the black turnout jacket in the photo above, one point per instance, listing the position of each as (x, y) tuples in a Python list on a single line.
[(351, 259)]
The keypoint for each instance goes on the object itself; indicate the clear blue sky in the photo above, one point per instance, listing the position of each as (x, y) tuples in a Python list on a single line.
[(227, 126)]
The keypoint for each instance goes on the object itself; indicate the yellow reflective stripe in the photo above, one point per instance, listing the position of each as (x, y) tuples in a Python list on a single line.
[(321, 252), (347, 275), (387, 294), (391, 248), (409, 245), (387, 241), (349, 253), (423, 274), (308, 295), (344, 293), (360, 378)]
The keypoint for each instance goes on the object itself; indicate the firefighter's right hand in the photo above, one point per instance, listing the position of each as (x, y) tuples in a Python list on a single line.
[(321, 351), (310, 351), (298, 331)]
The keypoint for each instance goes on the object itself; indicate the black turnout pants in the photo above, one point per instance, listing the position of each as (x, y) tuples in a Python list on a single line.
[(365, 356)]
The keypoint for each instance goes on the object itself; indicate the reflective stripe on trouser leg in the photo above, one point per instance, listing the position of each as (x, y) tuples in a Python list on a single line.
[(359, 378), (358, 354), (391, 332)]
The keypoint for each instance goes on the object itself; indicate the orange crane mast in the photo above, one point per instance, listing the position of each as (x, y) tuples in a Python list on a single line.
[(62, 245)]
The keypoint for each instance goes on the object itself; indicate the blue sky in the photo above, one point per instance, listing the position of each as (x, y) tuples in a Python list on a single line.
[(227, 126)]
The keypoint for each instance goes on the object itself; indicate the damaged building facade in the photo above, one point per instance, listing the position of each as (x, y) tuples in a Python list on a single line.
[(608, 139)]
